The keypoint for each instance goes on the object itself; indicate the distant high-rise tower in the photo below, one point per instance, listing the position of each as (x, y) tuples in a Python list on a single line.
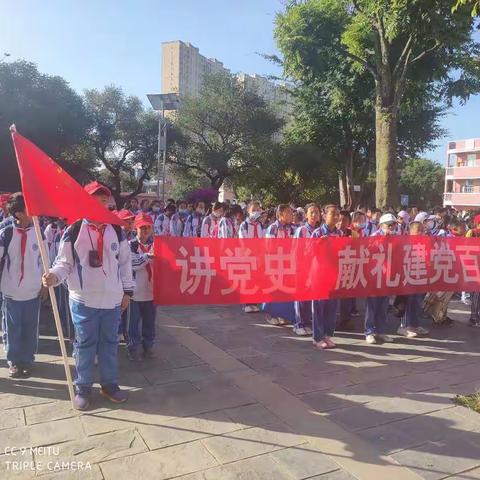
[(183, 68)]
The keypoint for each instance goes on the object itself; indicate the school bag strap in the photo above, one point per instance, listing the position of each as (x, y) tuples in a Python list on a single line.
[(75, 230)]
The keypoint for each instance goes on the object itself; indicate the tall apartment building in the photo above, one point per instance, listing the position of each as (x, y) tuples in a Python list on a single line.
[(462, 174), (184, 67)]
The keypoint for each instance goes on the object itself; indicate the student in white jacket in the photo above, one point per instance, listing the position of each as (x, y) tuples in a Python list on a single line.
[(21, 287), (95, 260)]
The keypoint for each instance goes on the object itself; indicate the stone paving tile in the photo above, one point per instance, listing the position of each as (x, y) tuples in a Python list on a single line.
[(338, 475), (91, 472), (251, 442), (13, 466), (158, 377), (96, 449), (48, 412), (436, 460), (262, 467), (185, 430), (304, 461), (12, 418), (41, 434), (254, 415), (160, 464)]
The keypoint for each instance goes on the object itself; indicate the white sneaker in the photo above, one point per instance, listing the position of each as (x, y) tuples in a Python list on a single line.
[(248, 309), (282, 321), (301, 332), (273, 321), (371, 339), (256, 308), (308, 330), (386, 338), (407, 332), (422, 331)]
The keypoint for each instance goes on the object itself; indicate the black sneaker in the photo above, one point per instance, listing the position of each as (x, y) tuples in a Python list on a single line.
[(26, 370), (14, 371)]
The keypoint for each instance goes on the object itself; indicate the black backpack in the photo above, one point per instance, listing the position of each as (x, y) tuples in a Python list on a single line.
[(75, 230)]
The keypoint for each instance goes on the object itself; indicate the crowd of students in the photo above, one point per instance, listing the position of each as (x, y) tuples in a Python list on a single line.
[(103, 276)]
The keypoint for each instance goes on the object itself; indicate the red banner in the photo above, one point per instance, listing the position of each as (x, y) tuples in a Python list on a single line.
[(191, 271)]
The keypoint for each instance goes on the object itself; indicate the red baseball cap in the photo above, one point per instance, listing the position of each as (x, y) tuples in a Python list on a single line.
[(95, 187), (476, 219), (143, 220), (124, 214)]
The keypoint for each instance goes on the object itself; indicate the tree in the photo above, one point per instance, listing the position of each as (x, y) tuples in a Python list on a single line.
[(123, 138), (45, 109), (224, 132), (423, 181), (396, 42), (298, 173), (475, 5)]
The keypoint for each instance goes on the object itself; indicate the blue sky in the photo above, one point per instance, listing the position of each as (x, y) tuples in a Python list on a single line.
[(92, 43)]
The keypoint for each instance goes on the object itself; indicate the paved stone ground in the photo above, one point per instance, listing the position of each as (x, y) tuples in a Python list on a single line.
[(231, 397)]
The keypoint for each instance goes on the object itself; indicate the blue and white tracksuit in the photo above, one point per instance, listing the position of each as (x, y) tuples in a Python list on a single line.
[(95, 297), (210, 226), (251, 229), (377, 308), (303, 310), (141, 330), (324, 312), (20, 291), (193, 225), (164, 226)]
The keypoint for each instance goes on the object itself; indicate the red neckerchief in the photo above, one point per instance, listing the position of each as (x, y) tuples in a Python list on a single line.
[(101, 231), (23, 246), (148, 267)]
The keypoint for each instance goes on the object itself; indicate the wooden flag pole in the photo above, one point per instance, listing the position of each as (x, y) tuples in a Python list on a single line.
[(56, 314)]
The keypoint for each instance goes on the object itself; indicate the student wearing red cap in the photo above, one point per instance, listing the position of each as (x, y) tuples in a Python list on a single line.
[(142, 309), (95, 260), (128, 217)]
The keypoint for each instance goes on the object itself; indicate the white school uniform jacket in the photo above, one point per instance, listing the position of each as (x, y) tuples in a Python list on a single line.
[(12, 284), (249, 229), (210, 227), (277, 230), (142, 265), (163, 226), (96, 287), (176, 224), (193, 225)]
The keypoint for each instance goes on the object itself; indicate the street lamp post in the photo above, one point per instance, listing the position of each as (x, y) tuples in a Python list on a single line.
[(161, 102)]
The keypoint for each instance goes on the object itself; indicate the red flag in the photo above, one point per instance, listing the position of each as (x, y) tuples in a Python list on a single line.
[(49, 190)]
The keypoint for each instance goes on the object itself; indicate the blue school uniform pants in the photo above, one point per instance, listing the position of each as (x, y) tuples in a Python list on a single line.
[(324, 318), (413, 311), (303, 314), (376, 315), (20, 323), (141, 330), (95, 334)]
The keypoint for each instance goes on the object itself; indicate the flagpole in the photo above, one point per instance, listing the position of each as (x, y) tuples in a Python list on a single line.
[(56, 314)]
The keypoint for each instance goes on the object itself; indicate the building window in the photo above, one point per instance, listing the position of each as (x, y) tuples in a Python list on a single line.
[(471, 159), (452, 160), (468, 186)]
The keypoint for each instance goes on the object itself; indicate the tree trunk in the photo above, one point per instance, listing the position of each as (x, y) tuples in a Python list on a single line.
[(342, 190), (386, 155)]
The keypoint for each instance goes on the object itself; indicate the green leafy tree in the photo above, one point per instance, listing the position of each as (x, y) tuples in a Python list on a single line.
[(224, 132), (423, 181), (45, 110), (122, 136), (397, 43), (474, 4)]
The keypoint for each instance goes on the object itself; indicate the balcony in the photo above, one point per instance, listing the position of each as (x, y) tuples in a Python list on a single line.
[(457, 173), (465, 199)]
